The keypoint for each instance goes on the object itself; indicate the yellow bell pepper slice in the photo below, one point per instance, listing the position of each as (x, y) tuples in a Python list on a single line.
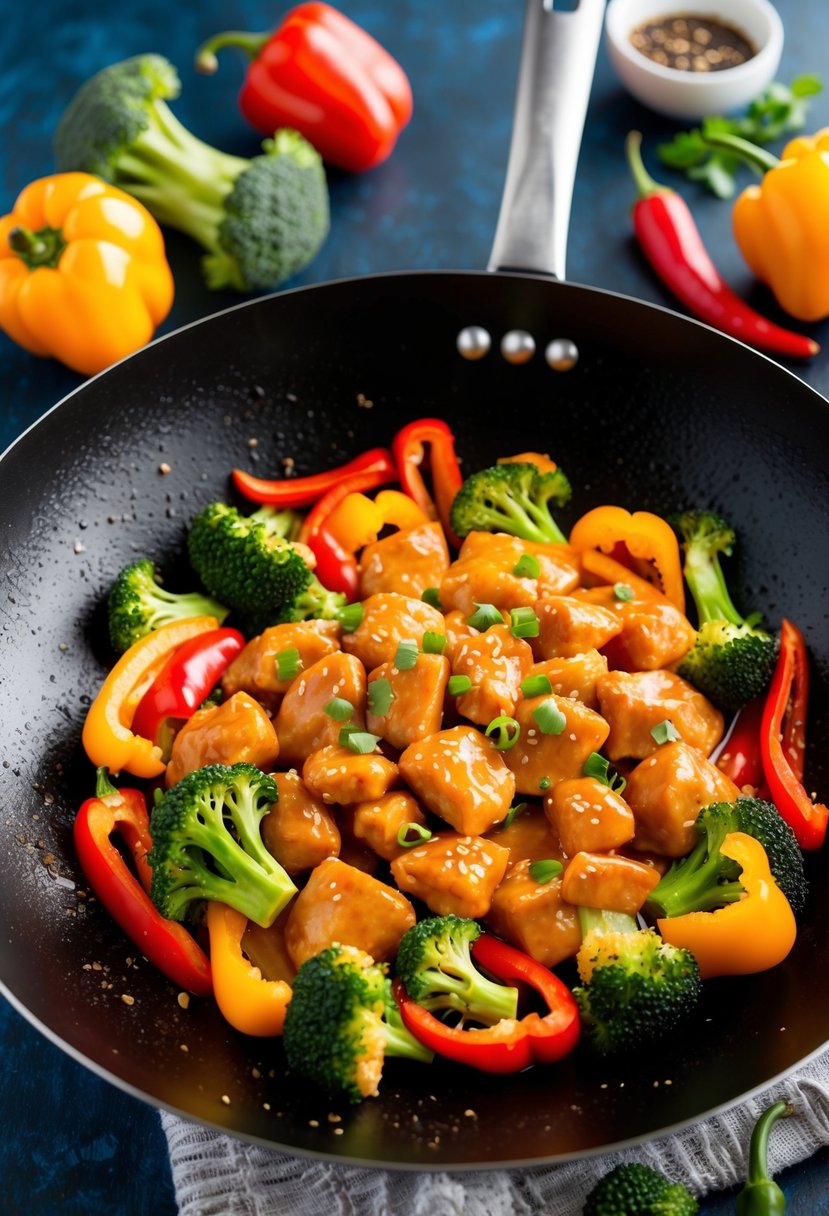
[(251, 1004), (399, 509), (647, 537), (108, 739), (753, 934), (358, 520)]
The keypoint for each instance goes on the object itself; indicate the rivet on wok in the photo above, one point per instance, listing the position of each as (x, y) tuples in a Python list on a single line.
[(473, 342), (518, 346), (562, 354)]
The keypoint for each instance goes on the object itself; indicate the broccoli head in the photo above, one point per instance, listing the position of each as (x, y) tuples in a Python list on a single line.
[(514, 498), (706, 879), (732, 660), (137, 604), (343, 1021), (246, 561), (637, 1190), (207, 844), (635, 987), (260, 220), (437, 971)]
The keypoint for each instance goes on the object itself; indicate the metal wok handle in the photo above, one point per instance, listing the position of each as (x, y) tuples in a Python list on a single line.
[(558, 57)]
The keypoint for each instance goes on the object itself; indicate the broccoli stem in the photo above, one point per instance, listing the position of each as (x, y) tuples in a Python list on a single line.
[(400, 1043), (694, 884), (192, 180), (256, 892), (705, 578)]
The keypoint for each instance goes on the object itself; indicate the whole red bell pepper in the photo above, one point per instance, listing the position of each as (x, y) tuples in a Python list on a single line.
[(323, 75), (783, 741), (186, 679), (302, 491), (336, 567), (512, 1044), (166, 944), (407, 447)]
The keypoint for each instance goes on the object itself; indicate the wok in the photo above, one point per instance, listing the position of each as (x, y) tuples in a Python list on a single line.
[(658, 413)]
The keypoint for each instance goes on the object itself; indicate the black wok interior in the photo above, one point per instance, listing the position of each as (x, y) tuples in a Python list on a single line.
[(659, 413)]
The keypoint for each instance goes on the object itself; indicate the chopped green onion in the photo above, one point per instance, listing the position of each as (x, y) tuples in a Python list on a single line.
[(504, 732), (527, 566), (288, 664), (484, 616), (550, 719), (431, 596), (536, 686), (544, 783), (380, 697), (158, 794), (421, 834), (544, 871), (665, 732), (350, 617), (433, 643), (358, 741), (339, 709), (405, 656), (524, 623), (518, 809), (458, 685), (622, 591), (598, 767)]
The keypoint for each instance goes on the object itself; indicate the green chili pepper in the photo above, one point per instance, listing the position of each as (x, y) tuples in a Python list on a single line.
[(761, 1196)]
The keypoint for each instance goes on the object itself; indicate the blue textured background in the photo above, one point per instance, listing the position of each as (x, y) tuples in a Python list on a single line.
[(71, 1143)]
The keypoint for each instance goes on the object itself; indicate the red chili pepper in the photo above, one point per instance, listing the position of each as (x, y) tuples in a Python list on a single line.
[(740, 756), (512, 1044), (783, 741), (323, 75), (165, 943), (672, 244), (302, 491), (447, 478), (186, 679)]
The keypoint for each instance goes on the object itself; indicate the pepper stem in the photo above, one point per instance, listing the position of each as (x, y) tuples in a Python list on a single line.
[(41, 248), (758, 1149), (251, 44), (103, 785), (758, 158), (645, 184)]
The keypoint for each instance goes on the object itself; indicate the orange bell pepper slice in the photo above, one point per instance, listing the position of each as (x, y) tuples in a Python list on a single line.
[(108, 738), (540, 459), (251, 1004), (753, 934), (647, 537)]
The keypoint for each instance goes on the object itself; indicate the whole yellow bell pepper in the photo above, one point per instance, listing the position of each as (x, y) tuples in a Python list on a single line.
[(782, 224), (753, 934), (83, 276)]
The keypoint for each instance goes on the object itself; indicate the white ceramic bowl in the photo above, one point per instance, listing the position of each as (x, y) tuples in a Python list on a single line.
[(687, 94)]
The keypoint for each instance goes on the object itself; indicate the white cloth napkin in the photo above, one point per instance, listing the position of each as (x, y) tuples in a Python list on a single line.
[(219, 1175)]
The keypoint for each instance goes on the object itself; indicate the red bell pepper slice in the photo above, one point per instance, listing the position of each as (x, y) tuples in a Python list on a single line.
[(165, 943), (447, 478), (336, 568), (783, 741), (186, 679), (511, 1044), (302, 491), (740, 756), (327, 78)]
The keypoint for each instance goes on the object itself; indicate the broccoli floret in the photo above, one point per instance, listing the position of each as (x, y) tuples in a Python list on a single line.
[(706, 879), (247, 562), (514, 498), (343, 1021), (260, 220), (635, 987), (437, 971), (137, 604), (637, 1190), (207, 844), (732, 660)]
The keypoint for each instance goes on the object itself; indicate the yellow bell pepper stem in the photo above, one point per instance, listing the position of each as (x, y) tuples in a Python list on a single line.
[(108, 739), (399, 509), (753, 934), (647, 537), (251, 1004), (83, 276)]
